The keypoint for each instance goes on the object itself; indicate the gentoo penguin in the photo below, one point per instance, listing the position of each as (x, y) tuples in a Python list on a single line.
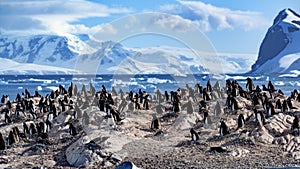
[(50, 116), (116, 115), (2, 142), (72, 130), (25, 129), (295, 125), (241, 121), (250, 85), (155, 125), (259, 117), (75, 115), (285, 107), (234, 104), (223, 129), (176, 106), (12, 139), (32, 129), (208, 86), (195, 136), (48, 125), (271, 87), (270, 109), (278, 104), (205, 117), (7, 118)]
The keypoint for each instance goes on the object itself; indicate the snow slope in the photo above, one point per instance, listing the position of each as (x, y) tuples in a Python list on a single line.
[(109, 57), (280, 49)]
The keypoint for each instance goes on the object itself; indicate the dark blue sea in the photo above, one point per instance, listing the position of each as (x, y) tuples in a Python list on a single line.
[(44, 84)]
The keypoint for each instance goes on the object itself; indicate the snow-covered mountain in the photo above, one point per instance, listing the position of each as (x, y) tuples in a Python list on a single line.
[(280, 49), (85, 55)]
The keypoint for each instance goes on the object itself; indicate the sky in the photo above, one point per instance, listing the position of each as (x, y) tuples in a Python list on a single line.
[(231, 26)]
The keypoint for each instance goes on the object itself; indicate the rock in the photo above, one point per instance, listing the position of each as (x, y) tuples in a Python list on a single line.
[(3, 160), (115, 157), (102, 153), (185, 121), (263, 136), (290, 146), (126, 165), (239, 152), (107, 164), (297, 139)]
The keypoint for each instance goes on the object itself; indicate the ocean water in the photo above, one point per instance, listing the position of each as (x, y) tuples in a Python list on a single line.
[(13, 84)]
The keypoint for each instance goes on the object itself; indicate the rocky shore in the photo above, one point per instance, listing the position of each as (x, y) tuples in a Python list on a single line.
[(84, 136)]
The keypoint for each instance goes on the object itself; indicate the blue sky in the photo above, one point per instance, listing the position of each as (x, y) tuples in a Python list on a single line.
[(232, 26)]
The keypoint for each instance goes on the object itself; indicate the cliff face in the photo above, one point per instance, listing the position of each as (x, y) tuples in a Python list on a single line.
[(281, 42)]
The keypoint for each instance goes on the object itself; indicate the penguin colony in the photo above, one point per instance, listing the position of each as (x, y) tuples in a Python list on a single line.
[(38, 113)]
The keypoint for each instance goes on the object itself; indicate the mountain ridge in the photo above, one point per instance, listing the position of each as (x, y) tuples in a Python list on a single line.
[(281, 42)]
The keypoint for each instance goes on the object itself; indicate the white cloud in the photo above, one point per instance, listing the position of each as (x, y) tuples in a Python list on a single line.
[(172, 22), (53, 16), (208, 17)]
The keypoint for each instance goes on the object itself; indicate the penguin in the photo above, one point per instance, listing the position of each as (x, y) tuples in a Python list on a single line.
[(50, 116), (40, 127), (167, 96), (234, 104), (11, 138), (241, 121), (25, 129), (271, 87), (2, 142), (208, 86), (176, 106), (205, 95), (7, 118), (33, 115), (116, 115), (223, 129), (295, 125), (270, 109), (259, 117), (280, 92), (195, 136), (72, 130), (290, 103), (205, 118), (32, 130), (155, 125), (48, 125), (285, 107), (75, 115), (278, 104), (250, 85)]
